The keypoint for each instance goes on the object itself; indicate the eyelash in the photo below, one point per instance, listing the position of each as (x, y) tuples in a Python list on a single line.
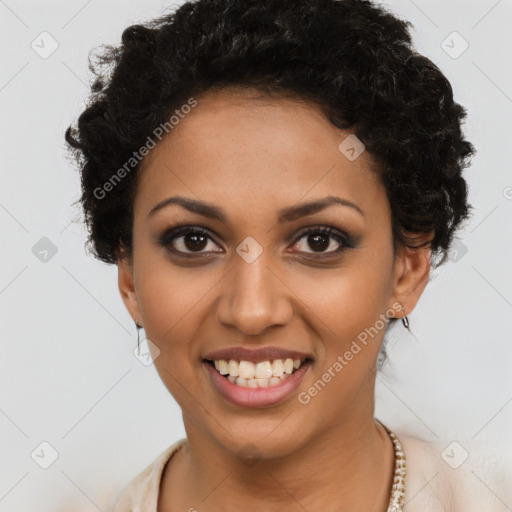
[(345, 240)]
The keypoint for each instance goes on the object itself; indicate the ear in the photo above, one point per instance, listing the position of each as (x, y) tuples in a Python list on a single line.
[(412, 270), (127, 289)]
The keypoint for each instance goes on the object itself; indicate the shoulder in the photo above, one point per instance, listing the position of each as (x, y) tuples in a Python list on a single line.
[(452, 476), (141, 493)]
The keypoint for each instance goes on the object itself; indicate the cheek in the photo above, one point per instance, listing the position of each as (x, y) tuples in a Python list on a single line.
[(348, 315), (346, 300), (170, 303), (175, 303), (170, 297)]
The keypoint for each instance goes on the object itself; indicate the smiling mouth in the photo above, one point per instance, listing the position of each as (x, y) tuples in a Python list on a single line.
[(257, 375)]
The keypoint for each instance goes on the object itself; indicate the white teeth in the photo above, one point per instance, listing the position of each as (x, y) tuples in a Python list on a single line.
[(277, 368), (257, 383), (246, 369), (288, 366), (263, 370), (233, 368), (241, 382), (254, 375), (223, 367)]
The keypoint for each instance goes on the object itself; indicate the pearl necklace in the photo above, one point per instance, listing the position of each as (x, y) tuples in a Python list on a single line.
[(398, 490)]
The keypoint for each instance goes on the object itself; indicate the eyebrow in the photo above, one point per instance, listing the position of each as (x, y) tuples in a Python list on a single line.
[(285, 215)]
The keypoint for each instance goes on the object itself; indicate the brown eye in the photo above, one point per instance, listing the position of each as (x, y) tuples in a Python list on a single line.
[(320, 239), (194, 241), (187, 240), (319, 242)]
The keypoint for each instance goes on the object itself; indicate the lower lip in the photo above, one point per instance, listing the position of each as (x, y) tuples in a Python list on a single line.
[(257, 397)]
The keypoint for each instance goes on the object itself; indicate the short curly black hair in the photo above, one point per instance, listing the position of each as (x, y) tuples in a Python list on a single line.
[(352, 57)]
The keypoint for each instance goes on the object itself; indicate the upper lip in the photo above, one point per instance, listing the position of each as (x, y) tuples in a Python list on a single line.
[(256, 355)]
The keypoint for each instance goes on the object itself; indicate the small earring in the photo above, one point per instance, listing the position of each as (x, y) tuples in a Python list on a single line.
[(139, 327), (405, 320)]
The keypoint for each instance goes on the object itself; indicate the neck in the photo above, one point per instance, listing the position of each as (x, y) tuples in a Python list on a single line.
[(351, 465)]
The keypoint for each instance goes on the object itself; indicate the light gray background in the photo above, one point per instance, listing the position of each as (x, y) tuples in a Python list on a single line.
[(68, 374)]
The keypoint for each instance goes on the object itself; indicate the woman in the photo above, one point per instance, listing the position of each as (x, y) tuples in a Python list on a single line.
[(274, 180)]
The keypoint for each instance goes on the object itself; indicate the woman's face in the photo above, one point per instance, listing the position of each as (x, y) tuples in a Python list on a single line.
[(258, 278)]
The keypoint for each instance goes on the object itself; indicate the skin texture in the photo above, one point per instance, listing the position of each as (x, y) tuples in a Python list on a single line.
[(252, 157)]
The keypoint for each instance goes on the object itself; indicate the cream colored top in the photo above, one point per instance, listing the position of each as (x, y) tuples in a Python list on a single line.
[(453, 477)]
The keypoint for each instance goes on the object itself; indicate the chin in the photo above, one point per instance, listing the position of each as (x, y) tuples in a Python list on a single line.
[(253, 439)]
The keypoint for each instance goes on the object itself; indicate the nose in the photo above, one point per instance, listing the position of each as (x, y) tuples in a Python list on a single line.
[(254, 298)]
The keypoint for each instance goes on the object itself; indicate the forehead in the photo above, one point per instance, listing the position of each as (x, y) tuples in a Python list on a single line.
[(258, 151)]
